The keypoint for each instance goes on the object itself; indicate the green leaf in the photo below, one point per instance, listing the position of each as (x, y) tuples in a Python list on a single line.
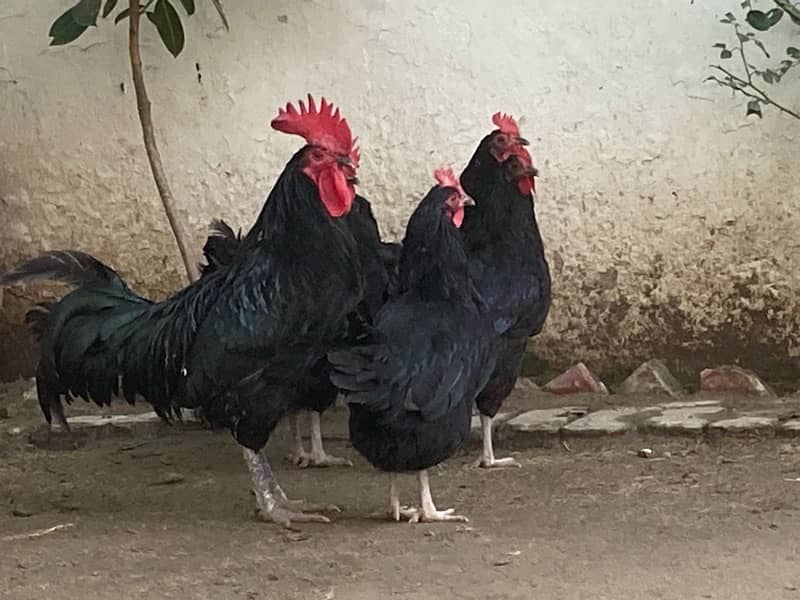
[(763, 21), (746, 4), (65, 29), (768, 77), (188, 5), (760, 44), (123, 15), (754, 108), (86, 12), (725, 53), (720, 45), (793, 52), (110, 5), (728, 18), (166, 19)]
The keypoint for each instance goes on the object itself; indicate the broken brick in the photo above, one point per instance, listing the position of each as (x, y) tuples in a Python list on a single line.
[(730, 378), (652, 377), (578, 379)]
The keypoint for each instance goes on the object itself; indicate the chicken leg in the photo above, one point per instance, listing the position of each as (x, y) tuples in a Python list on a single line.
[(272, 503), (317, 457), (427, 511), (487, 460)]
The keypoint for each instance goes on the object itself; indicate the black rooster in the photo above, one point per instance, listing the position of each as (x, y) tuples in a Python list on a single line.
[(315, 393), (507, 260), (411, 383), (234, 343)]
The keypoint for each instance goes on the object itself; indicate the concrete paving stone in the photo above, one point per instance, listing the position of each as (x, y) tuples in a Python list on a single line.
[(578, 379), (607, 422), (790, 427), (732, 378), (499, 419), (745, 424), (652, 377), (548, 420), (122, 420), (690, 404), (682, 420)]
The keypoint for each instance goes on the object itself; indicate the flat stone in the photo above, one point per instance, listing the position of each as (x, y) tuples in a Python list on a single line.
[(745, 424), (499, 418), (690, 404), (605, 422), (549, 420), (791, 427), (652, 377), (730, 378), (578, 379), (682, 420), (81, 421)]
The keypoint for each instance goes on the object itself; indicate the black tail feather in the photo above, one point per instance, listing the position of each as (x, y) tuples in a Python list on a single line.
[(70, 266), (36, 317), (221, 246)]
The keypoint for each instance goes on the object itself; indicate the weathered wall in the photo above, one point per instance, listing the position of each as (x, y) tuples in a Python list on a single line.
[(670, 220)]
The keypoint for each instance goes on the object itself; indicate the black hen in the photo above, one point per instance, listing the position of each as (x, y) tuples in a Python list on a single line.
[(410, 386), (507, 261), (315, 393), (234, 343)]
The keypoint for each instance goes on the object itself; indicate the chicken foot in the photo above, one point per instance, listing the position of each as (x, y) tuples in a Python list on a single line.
[(317, 457), (272, 503), (427, 511), (487, 459)]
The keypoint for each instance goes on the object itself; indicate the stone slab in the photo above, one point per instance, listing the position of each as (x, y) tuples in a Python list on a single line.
[(790, 427), (683, 420), (745, 424), (548, 420), (689, 404), (499, 419), (611, 421)]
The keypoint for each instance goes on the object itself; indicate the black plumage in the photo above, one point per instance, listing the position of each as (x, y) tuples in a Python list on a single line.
[(508, 265), (314, 390), (411, 384), (233, 343)]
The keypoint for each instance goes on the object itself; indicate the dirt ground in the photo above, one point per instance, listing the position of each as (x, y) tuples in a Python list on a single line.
[(169, 515)]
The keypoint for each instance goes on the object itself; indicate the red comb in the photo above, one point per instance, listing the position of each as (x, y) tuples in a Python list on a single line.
[(355, 153), (323, 127), (446, 178), (506, 123)]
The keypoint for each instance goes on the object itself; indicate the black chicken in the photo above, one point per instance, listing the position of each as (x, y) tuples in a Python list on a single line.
[(315, 392), (507, 260), (235, 343), (411, 383)]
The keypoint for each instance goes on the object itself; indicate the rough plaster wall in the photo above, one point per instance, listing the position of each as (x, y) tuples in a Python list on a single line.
[(669, 219)]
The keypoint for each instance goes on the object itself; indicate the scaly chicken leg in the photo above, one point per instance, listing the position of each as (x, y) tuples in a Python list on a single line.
[(427, 512), (273, 505), (487, 460), (317, 457)]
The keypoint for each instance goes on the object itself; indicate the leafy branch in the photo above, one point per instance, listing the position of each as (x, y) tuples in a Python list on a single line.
[(749, 82), (162, 14)]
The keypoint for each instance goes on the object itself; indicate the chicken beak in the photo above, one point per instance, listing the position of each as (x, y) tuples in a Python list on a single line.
[(345, 161), (467, 201), (523, 142), (352, 180)]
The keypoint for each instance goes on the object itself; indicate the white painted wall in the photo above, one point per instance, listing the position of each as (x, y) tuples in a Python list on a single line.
[(660, 204)]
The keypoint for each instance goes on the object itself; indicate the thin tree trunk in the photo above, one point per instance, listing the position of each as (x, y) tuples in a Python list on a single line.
[(143, 106)]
